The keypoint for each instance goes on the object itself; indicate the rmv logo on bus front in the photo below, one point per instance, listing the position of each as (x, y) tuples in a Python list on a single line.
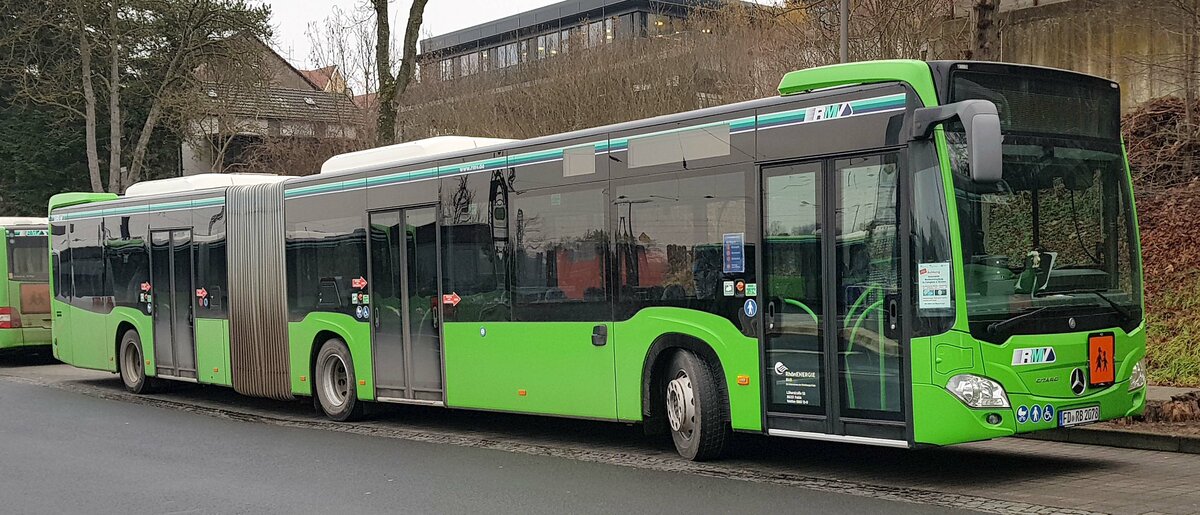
[(1033, 356)]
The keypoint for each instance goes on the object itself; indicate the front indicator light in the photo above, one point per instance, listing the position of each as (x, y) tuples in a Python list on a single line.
[(1138, 378), (978, 392)]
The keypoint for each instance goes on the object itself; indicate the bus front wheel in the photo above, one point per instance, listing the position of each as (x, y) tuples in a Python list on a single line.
[(133, 373), (336, 393), (694, 409)]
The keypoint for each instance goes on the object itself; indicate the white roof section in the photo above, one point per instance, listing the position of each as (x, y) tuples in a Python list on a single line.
[(6, 221), (383, 157), (201, 181)]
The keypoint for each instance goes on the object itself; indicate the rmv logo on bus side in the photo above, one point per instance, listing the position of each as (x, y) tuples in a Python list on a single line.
[(828, 112)]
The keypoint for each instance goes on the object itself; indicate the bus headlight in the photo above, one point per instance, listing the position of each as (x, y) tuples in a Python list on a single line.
[(1138, 378), (978, 392)]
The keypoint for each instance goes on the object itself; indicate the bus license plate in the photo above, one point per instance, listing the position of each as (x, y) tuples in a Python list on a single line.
[(1077, 416)]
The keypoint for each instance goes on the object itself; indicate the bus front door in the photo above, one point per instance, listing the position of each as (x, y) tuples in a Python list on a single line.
[(832, 344), (173, 310), (405, 305)]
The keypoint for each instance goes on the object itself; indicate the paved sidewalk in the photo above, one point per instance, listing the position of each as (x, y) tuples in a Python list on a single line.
[(1164, 393)]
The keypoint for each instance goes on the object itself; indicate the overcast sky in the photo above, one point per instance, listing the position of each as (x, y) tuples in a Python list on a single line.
[(291, 18)]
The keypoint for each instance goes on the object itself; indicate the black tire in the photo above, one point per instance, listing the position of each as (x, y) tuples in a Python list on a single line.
[(335, 383), (131, 365), (703, 432)]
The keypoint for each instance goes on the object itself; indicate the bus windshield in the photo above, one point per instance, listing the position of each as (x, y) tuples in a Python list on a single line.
[(1051, 247), (28, 258)]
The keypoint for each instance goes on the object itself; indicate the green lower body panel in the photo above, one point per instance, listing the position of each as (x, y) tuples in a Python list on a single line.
[(941, 419), (212, 351), (545, 367), (737, 353), (1038, 389), (554, 368), (92, 347), (305, 338), (121, 320), (24, 337)]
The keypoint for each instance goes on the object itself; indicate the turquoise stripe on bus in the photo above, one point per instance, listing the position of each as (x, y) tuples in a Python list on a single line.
[(131, 210), (864, 106)]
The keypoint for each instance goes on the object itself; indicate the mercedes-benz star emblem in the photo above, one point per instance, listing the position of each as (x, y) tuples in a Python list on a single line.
[(1071, 322), (1077, 385)]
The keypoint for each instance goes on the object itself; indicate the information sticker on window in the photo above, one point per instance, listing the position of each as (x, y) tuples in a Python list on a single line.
[(733, 247), (933, 286)]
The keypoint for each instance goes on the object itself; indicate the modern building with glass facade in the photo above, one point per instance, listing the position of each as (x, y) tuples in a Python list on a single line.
[(548, 31)]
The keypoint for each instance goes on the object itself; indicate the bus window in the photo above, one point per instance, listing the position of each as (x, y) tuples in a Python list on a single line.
[(28, 259), (667, 236), (560, 256)]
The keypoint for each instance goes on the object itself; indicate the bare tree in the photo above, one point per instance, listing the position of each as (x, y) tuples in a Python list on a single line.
[(347, 40), (392, 87), (732, 53)]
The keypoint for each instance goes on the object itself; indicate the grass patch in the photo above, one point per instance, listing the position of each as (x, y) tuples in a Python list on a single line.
[(1173, 332)]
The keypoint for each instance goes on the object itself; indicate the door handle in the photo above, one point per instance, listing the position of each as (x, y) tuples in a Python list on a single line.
[(893, 313), (600, 335), (771, 315)]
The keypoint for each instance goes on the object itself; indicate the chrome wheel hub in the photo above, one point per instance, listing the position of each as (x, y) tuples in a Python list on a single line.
[(335, 381), (681, 405), (131, 366)]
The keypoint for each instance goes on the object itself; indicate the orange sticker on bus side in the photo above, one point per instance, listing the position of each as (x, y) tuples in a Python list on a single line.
[(1101, 369)]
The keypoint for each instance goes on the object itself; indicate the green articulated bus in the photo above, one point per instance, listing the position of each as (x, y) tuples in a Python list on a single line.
[(896, 253), (25, 286)]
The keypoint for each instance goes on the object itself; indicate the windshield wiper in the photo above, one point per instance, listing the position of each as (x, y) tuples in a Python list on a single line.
[(1125, 315), (996, 327)]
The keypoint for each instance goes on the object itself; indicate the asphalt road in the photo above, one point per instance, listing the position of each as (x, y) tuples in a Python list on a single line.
[(73, 439), (65, 452)]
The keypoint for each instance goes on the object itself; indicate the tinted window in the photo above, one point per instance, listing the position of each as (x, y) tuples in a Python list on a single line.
[(28, 258), (87, 258), (561, 249), (326, 252), (61, 260), (211, 274), (1045, 106), (930, 240), (476, 248), (127, 257), (671, 238)]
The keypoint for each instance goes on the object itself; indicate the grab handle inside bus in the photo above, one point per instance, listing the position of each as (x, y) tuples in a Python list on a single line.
[(981, 122)]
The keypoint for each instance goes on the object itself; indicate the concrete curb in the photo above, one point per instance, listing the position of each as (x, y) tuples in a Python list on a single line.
[(1122, 439)]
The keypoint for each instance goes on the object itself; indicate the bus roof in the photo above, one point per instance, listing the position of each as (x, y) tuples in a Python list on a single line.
[(382, 157), (197, 182), (10, 221)]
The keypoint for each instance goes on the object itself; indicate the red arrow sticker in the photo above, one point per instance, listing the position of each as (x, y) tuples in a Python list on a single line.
[(145, 286), (202, 293), (359, 283), (451, 298)]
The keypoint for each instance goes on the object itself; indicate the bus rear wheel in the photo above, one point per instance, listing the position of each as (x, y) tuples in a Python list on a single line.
[(336, 383), (133, 373), (695, 411)]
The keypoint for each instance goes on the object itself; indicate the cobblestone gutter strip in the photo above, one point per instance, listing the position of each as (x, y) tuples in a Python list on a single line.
[(715, 470), (1120, 438)]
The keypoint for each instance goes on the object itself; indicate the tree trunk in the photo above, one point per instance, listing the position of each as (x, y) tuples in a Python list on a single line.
[(987, 33), (139, 150), (115, 184), (1189, 73), (392, 88), (89, 108), (385, 118)]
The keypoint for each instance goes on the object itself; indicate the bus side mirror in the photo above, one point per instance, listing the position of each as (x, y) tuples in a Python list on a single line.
[(982, 124)]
